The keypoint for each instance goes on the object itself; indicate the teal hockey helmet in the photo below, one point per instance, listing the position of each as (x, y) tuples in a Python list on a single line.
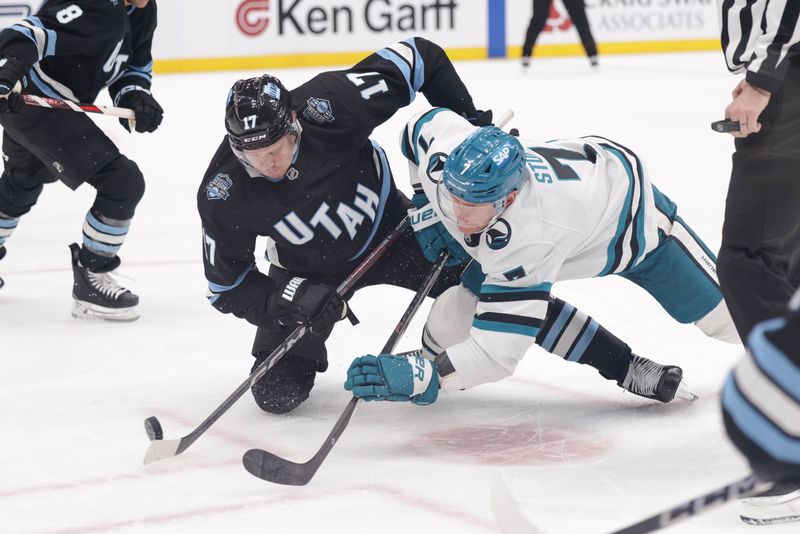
[(486, 167)]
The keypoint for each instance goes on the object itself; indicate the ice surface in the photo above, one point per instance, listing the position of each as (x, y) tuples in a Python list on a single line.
[(577, 454)]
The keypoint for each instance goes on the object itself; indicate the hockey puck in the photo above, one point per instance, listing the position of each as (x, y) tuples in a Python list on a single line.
[(153, 428)]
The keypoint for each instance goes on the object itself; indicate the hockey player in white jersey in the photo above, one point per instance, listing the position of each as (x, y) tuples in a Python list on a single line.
[(530, 216)]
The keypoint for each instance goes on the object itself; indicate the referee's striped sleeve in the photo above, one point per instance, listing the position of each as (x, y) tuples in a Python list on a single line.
[(761, 37)]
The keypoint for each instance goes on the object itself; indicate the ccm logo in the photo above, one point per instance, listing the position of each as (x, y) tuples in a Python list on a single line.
[(252, 17)]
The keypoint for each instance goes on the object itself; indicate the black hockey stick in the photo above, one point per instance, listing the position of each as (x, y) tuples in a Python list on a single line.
[(739, 488), (160, 448), (269, 467)]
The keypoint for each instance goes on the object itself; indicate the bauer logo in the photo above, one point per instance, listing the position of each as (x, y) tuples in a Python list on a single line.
[(315, 17)]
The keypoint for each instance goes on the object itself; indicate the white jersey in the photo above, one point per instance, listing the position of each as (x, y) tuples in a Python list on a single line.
[(586, 209)]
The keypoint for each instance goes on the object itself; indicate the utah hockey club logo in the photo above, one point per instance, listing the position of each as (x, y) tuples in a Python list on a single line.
[(318, 110), (217, 188), (498, 235)]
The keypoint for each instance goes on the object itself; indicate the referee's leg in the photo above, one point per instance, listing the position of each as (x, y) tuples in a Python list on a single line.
[(760, 252), (759, 261)]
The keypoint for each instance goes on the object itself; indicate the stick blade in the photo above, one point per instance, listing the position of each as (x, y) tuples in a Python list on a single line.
[(160, 449), (267, 466)]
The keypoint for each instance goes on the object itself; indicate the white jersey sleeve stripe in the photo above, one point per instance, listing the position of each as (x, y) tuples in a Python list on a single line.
[(627, 247)]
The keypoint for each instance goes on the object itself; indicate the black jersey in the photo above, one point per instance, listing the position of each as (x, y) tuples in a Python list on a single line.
[(338, 197), (71, 49)]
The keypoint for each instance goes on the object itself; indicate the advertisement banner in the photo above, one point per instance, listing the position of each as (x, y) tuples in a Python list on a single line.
[(239, 34), (617, 23), (240, 28)]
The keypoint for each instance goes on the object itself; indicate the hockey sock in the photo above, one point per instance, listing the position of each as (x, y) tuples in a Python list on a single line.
[(102, 238), (7, 226), (573, 335)]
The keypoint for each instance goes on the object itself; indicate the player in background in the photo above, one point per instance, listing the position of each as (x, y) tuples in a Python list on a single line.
[(533, 215), (70, 50), (298, 167), (761, 409)]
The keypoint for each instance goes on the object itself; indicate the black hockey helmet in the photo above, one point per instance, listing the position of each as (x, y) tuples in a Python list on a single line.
[(258, 112)]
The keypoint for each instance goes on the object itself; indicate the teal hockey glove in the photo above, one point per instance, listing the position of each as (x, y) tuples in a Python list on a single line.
[(393, 378), (433, 237)]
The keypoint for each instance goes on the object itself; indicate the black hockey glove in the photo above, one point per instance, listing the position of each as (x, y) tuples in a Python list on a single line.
[(300, 301), (148, 112), (483, 118), (10, 101)]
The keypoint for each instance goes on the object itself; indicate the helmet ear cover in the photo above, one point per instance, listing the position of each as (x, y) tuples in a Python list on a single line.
[(486, 167), (258, 113)]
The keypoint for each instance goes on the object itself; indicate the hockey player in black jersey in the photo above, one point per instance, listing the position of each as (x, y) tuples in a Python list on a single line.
[(298, 167), (70, 50)]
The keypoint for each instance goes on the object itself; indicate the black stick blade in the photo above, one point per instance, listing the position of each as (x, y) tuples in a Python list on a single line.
[(267, 466)]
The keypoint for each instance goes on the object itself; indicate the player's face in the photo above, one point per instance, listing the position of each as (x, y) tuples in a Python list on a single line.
[(472, 218), (274, 160)]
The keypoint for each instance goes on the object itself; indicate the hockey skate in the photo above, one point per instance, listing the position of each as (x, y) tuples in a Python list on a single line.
[(655, 381), (779, 504), (98, 296)]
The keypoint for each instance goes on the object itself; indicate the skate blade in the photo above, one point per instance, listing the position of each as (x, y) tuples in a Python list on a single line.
[(91, 312), (684, 393), (771, 509)]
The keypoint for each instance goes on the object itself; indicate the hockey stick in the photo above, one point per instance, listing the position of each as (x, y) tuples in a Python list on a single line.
[(267, 466), (160, 448), (698, 505), (55, 103)]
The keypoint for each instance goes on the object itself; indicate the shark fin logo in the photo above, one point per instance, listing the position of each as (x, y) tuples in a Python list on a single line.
[(436, 167), (499, 235)]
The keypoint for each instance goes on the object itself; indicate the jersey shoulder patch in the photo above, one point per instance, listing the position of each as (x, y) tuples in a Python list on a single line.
[(218, 187)]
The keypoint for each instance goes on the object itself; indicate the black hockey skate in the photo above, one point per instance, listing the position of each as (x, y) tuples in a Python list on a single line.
[(98, 296), (654, 381)]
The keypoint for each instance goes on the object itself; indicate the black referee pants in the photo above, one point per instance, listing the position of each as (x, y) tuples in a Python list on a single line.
[(577, 12), (759, 261)]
